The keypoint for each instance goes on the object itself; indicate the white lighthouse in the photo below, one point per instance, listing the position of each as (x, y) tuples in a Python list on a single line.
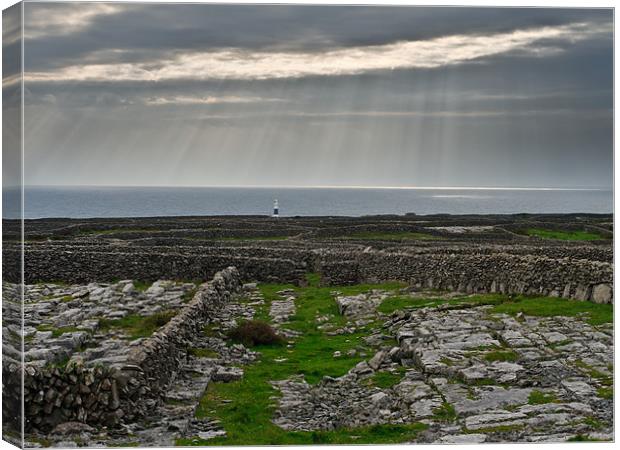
[(276, 209)]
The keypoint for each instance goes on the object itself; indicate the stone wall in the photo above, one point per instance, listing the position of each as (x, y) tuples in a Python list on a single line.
[(512, 274), (83, 265), (160, 356), (106, 395)]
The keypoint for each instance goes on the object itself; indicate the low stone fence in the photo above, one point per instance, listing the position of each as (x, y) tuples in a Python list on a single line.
[(107, 395), (505, 273), (160, 356), (83, 266)]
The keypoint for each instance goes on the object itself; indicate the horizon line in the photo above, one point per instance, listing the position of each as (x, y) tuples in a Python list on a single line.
[(447, 188)]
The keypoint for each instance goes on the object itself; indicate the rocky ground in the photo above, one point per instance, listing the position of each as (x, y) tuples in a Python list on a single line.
[(211, 359), (93, 324), (470, 375), (359, 364)]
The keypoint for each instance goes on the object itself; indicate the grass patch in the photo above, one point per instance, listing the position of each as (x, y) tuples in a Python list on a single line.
[(246, 407), (252, 238), (375, 434), (603, 378), (582, 438), (385, 380), (115, 231), (596, 314), (606, 392), (59, 364), (549, 306), (594, 423), (189, 295), (563, 235), (141, 286), (388, 236), (540, 398), (445, 413), (137, 326), (501, 355), (246, 415), (41, 441), (313, 279)]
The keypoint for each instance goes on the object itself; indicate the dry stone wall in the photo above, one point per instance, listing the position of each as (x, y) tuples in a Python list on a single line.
[(84, 265), (511, 274), (107, 395)]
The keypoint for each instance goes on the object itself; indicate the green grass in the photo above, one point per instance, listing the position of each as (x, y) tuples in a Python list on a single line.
[(136, 326), (313, 279), (59, 364), (501, 355), (606, 392), (595, 314), (247, 417), (486, 382), (375, 434), (388, 236), (141, 286), (563, 235), (252, 238), (445, 413), (582, 438), (540, 398), (245, 407), (117, 230), (602, 378), (189, 295), (385, 380), (594, 423), (548, 306)]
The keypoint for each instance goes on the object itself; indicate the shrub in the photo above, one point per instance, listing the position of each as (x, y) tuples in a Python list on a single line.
[(255, 332)]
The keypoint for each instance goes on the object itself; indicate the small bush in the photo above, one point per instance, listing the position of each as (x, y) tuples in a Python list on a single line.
[(255, 332)]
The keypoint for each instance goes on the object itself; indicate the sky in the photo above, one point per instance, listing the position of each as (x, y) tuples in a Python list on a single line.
[(249, 95)]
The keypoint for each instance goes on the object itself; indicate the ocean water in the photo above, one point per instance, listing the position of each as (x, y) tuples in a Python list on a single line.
[(84, 202)]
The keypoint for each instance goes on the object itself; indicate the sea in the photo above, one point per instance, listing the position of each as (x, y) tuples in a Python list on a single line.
[(85, 202)]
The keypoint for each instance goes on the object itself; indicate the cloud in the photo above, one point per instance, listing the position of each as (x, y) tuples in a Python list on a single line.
[(209, 100), (60, 19), (243, 64)]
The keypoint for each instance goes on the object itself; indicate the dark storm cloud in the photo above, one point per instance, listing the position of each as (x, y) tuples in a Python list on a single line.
[(147, 32), (146, 94)]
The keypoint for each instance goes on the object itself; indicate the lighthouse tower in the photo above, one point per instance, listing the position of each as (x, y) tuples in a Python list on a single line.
[(276, 209)]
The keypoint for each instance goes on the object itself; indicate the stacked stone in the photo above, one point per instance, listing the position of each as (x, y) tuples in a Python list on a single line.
[(161, 355), (75, 264), (509, 274), (105, 394), (71, 393)]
